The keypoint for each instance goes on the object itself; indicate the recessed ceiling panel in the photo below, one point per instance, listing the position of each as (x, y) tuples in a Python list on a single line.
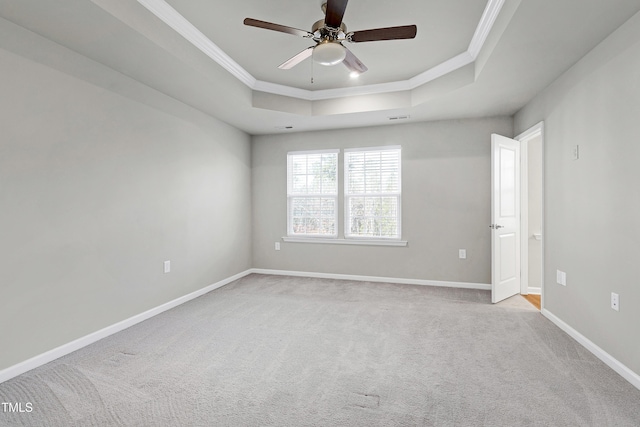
[(445, 30)]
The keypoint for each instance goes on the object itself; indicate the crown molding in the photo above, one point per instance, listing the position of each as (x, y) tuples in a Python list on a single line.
[(171, 17), (398, 86), (487, 20), (448, 66), (186, 29), (278, 89)]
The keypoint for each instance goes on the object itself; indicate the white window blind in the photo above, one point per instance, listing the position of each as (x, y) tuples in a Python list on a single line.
[(372, 193), (312, 193)]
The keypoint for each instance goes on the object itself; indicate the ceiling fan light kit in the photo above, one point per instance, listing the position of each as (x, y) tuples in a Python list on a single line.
[(329, 53), (330, 33)]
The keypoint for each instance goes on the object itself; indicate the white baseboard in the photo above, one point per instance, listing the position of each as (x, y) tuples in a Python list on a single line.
[(63, 350), (609, 360), (535, 291), (464, 285)]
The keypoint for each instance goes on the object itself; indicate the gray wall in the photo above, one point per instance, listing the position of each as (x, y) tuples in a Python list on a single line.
[(445, 202), (96, 191), (593, 204)]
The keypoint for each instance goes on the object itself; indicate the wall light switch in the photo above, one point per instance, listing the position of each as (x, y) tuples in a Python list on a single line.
[(561, 278), (167, 266), (462, 254), (576, 152), (277, 246)]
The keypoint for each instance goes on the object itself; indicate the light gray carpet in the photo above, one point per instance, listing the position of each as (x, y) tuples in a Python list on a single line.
[(284, 351)]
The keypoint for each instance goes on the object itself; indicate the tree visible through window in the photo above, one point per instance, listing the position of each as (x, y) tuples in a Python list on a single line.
[(372, 192), (312, 193)]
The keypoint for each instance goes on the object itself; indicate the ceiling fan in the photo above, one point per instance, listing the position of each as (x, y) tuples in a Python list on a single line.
[(330, 33)]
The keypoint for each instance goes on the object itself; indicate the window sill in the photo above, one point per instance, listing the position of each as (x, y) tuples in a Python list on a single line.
[(360, 242)]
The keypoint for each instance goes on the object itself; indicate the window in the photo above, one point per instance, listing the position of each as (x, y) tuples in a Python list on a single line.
[(312, 193), (372, 193)]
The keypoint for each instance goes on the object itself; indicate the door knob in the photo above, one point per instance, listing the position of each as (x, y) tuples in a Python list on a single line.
[(496, 226)]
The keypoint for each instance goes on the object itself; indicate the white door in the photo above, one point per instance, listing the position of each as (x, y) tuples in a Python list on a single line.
[(505, 217)]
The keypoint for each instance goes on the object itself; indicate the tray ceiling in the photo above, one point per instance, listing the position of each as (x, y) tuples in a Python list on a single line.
[(444, 73), (445, 30)]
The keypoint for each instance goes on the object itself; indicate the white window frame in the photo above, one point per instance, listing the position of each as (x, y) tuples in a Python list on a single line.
[(347, 195), (291, 196)]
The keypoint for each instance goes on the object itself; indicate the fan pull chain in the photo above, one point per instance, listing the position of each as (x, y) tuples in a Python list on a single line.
[(312, 70)]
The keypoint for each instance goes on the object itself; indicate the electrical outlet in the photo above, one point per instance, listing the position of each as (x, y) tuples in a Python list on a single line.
[(462, 254), (167, 266), (277, 246), (615, 301), (561, 278)]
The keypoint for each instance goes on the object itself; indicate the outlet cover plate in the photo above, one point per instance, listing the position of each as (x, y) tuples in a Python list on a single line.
[(615, 301)]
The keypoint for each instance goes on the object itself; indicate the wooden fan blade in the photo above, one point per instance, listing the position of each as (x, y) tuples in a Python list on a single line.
[(292, 62), (353, 63), (277, 27), (335, 12), (390, 33)]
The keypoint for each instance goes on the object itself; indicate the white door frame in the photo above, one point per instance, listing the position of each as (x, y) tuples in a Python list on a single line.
[(524, 138)]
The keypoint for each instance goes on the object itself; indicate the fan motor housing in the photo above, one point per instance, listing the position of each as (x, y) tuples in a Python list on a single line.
[(320, 25)]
